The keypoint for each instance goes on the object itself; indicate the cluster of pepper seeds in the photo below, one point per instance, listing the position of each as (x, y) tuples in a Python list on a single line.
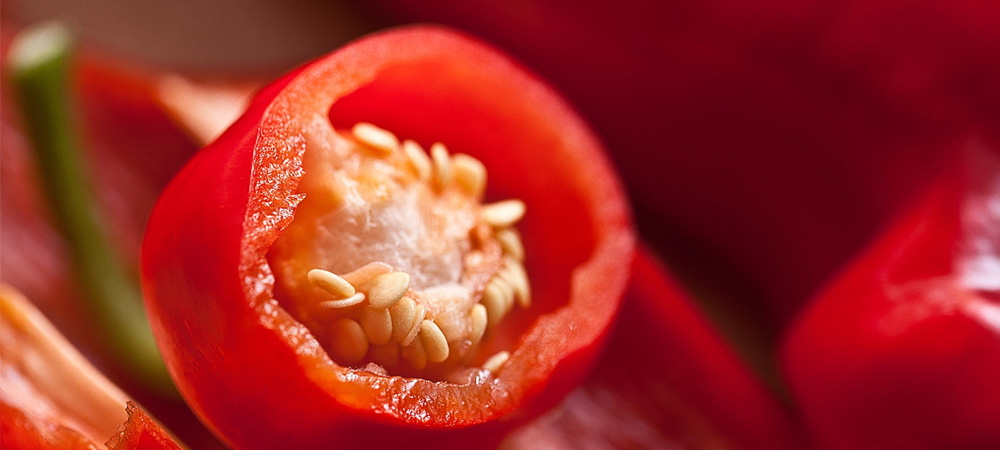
[(382, 319)]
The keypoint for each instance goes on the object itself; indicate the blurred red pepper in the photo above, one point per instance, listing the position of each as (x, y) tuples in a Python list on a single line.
[(256, 375), (763, 143), (51, 398), (132, 146), (666, 380), (903, 350)]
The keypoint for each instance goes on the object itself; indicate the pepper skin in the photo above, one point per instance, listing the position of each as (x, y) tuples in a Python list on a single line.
[(258, 377), (903, 350)]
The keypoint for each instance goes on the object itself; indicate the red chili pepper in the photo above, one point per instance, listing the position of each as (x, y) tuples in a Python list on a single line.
[(903, 350), (258, 376)]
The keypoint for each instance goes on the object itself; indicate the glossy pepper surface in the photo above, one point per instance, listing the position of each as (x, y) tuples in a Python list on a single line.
[(257, 376), (903, 349)]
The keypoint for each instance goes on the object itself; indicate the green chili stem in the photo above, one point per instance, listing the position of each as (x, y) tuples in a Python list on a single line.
[(39, 66)]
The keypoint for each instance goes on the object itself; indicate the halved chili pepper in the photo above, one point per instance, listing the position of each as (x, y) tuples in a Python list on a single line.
[(903, 350), (270, 308), (52, 398)]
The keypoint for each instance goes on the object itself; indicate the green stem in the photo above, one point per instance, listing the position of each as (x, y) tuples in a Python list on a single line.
[(39, 65)]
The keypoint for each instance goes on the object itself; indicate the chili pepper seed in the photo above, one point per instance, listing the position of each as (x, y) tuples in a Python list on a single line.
[(419, 160), (377, 324), (510, 242), (343, 303), (496, 362), (348, 340), (470, 174), (435, 344), (504, 213), (386, 289), (330, 283), (442, 165), (418, 318), (478, 320), (372, 136)]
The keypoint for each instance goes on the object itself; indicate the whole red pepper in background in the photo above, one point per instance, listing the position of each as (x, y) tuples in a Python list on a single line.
[(255, 375), (903, 350), (762, 143), (666, 380)]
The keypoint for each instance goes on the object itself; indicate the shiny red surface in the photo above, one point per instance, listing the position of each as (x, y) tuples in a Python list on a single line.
[(900, 351)]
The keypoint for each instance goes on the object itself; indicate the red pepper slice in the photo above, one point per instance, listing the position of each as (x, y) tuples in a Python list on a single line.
[(903, 350), (259, 377), (52, 398)]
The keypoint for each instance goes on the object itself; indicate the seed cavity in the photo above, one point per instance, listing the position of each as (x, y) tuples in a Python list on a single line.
[(386, 314), (503, 214)]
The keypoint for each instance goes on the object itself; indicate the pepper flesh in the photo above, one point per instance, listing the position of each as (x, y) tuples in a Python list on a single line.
[(52, 398), (257, 376)]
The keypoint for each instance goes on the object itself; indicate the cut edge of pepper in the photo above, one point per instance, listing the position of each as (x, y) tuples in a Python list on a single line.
[(280, 137)]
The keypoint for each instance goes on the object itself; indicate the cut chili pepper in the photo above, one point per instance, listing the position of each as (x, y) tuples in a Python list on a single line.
[(903, 350), (286, 356)]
